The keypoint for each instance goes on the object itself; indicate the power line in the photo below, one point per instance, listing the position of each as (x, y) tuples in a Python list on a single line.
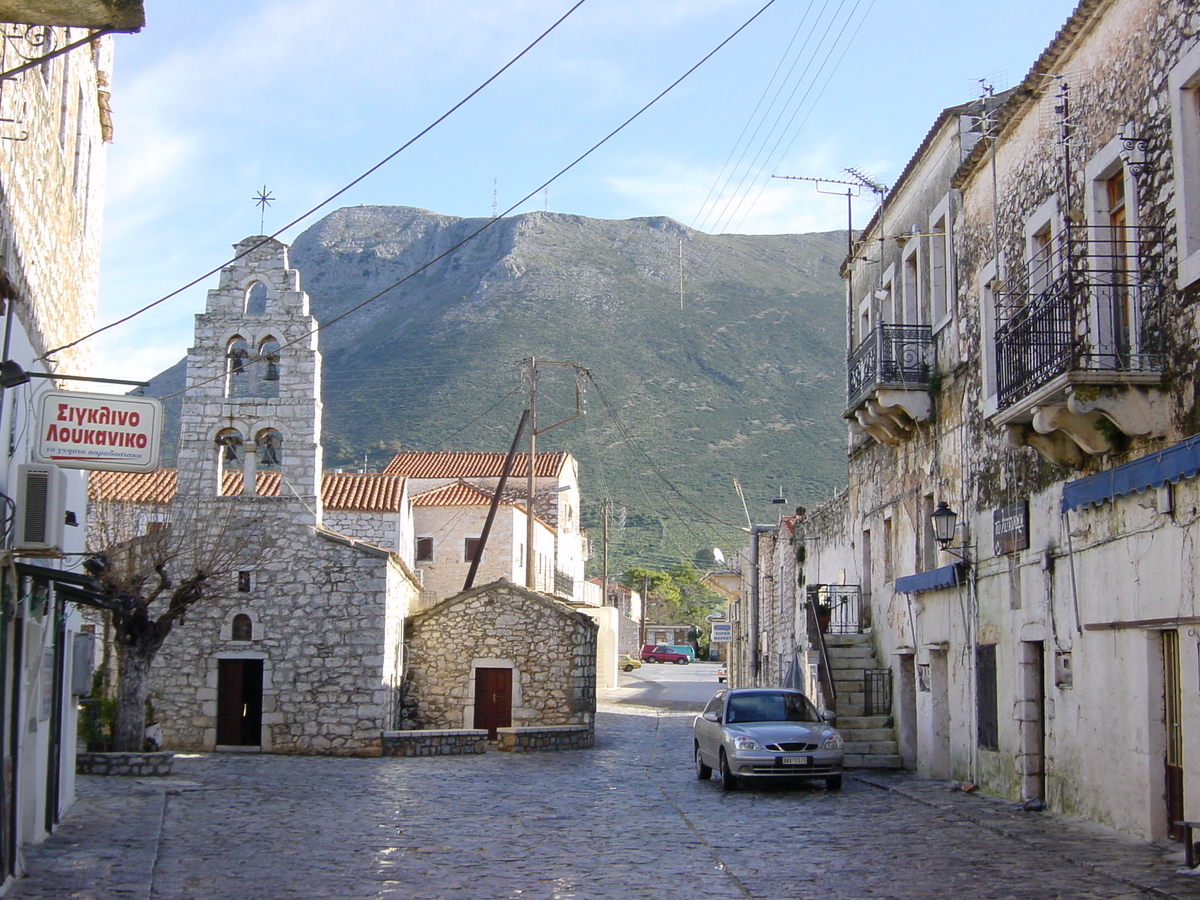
[(387, 159), (492, 221)]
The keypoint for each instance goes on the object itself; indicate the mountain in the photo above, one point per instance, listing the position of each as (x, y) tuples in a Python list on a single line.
[(739, 376)]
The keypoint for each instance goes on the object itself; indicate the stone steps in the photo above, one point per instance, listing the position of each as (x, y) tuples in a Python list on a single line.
[(870, 742)]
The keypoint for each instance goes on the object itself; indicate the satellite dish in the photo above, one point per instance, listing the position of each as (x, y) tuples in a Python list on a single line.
[(718, 556)]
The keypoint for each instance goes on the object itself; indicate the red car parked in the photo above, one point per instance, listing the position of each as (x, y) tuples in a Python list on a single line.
[(661, 653)]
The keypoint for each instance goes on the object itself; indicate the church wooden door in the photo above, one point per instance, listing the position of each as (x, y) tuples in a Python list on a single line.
[(239, 702), (493, 700)]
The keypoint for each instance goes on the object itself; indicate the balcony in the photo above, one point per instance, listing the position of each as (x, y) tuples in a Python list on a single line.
[(1079, 346), (888, 377)]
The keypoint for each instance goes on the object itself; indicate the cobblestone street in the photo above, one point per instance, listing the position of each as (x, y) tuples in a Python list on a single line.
[(625, 819)]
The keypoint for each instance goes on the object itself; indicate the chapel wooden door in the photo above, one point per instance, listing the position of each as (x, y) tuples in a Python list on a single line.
[(493, 700), (239, 702)]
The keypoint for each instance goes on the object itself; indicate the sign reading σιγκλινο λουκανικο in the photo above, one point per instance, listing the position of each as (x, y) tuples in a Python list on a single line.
[(98, 431)]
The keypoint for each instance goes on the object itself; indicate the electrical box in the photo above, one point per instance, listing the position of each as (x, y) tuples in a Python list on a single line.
[(41, 508)]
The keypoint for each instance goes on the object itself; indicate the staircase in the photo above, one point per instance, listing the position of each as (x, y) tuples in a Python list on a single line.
[(870, 740)]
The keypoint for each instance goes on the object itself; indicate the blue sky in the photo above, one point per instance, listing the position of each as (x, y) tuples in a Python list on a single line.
[(214, 100)]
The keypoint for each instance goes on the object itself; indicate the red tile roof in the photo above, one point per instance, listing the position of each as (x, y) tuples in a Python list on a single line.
[(457, 494), (447, 464), (357, 492), (157, 487), (362, 492)]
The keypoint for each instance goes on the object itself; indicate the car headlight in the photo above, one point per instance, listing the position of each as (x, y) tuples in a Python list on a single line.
[(741, 742), (833, 742)]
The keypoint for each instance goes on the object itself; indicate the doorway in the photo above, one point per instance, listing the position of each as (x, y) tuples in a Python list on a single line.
[(493, 700), (1032, 721), (239, 702), (1173, 718)]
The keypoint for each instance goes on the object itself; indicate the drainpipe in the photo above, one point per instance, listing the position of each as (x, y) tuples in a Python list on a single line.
[(752, 612)]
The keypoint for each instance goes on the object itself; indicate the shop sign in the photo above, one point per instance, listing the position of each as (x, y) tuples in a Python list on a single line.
[(1010, 528), (109, 432)]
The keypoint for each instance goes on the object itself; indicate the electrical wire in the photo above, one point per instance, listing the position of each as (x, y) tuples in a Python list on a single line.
[(371, 171), (492, 221)]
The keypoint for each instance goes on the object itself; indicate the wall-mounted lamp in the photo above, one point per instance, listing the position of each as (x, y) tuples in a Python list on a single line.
[(945, 527)]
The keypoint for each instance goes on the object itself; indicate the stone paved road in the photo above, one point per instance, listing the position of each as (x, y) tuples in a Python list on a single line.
[(625, 820)]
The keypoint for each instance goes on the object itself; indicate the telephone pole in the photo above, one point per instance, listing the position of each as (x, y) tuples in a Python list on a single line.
[(531, 366)]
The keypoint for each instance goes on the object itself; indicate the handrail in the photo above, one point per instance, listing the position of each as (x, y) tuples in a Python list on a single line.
[(823, 670)]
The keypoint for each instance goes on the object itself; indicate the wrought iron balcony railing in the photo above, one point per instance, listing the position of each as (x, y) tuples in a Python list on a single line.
[(1090, 301), (891, 356)]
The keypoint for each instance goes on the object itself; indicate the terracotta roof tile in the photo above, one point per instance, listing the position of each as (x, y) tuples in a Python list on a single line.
[(157, 487), (448, 464), (362, 492), (458, 494), (354, 492)]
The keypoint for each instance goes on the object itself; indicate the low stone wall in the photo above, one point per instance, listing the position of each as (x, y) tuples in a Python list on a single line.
[(433, 742), (140, 764), (547, 737)]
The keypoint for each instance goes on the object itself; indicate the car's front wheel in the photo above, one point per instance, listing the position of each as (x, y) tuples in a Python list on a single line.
[(627, 668), (703, 770), (682, 661), (833, 783), (728, 780)]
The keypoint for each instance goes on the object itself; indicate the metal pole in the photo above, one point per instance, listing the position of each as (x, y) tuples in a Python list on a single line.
[(604, 545)]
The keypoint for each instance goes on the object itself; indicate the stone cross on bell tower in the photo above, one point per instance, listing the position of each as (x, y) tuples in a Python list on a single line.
[(250, 426)]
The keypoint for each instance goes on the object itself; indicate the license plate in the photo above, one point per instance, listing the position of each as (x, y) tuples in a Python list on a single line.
[(794, 760)]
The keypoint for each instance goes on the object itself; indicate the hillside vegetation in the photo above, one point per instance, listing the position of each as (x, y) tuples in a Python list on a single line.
[(741, 380)]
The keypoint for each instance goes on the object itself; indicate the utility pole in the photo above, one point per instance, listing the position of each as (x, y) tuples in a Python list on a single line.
[(604, 550), (532, 365)]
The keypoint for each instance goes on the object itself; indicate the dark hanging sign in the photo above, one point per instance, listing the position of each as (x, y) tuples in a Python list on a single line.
[(1010, 527)]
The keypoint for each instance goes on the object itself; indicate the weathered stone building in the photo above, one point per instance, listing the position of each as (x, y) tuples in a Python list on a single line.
[(54, 125), (1022, 341), (501, 656)]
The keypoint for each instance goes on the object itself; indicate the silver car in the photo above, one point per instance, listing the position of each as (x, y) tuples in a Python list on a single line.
[(751, 733)]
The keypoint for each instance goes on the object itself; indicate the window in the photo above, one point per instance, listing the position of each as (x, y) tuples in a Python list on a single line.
[(244, 581), (941, 265), (987, 713), (928, 548), (242, 629), (424, 549), (914, 311), (1184, 84), (1113, 248), (887, 550), (256, 299), (470, 549)]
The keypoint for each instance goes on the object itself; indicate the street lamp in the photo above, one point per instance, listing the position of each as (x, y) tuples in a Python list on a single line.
[(945, 525)]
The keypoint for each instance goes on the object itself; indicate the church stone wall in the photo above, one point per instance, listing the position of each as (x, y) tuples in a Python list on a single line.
[(550, 648)]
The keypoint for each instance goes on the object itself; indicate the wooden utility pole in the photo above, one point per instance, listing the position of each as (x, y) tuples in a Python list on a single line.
[(531, 476)]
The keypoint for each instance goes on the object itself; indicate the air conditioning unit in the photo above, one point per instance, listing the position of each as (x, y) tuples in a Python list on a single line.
[(41, 507)]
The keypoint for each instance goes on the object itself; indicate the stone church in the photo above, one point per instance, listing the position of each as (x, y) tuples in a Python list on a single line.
[(309, 655)]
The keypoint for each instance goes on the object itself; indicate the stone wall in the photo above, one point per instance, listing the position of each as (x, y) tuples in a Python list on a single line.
[(319, 608), (550, 648), (434, 742)]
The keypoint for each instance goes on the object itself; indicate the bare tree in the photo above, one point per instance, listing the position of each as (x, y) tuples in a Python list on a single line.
[(149, 570)]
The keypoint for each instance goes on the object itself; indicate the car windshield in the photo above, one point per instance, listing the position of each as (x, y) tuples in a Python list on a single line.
[(770, 706)]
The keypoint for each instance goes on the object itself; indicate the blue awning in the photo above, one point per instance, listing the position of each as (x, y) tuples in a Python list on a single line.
[(1181, 460), (944, 577)]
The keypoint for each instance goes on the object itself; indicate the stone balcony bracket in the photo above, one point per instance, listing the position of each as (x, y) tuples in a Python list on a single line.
[(1069, 429), (890, 415)]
